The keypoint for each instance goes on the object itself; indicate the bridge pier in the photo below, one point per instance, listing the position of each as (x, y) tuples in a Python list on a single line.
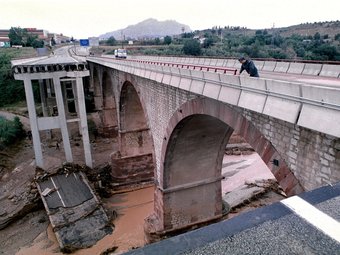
[(133, 163), (108, 127), (179, 208), (55, 75)]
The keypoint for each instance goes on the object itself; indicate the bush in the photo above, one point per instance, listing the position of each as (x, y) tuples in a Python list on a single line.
[(192, 47), (10, 131), (11, 90)]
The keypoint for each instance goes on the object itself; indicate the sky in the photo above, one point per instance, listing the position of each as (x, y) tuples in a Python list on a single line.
[(82, 18)]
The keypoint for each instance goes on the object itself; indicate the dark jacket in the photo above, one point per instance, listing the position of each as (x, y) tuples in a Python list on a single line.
[(250, 67)]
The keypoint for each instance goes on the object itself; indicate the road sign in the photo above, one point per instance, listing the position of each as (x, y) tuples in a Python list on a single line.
[(84, 42), (5, 44)]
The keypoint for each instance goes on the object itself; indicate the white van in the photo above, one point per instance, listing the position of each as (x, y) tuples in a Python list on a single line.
[(120, 53)]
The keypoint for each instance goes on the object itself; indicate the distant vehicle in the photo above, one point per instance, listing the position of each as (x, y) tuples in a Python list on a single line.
[(120, 53)]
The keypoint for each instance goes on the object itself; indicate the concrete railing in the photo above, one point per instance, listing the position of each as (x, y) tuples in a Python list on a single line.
[(315, 69), (313, 107)]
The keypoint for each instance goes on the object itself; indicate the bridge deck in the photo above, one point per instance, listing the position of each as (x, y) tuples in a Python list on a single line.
[(306, 99)]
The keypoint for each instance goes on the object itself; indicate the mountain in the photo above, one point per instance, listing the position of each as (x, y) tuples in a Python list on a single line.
[(150, 28)]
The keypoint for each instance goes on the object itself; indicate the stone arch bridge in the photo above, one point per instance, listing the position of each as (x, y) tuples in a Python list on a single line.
[(174, 117), (173, 122)]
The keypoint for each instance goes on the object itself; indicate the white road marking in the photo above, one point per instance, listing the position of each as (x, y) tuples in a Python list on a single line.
[(314, 216), (61, 199)]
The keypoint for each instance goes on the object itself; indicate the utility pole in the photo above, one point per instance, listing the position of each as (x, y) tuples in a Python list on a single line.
[(122, 38)]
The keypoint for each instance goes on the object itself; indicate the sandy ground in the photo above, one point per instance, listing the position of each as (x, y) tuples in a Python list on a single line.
[(238, 169)]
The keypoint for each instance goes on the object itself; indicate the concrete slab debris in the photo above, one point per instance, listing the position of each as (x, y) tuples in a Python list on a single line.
[(249, 191), (77, 217)]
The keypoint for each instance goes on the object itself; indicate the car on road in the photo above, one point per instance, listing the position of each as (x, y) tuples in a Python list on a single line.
[(120, 53)]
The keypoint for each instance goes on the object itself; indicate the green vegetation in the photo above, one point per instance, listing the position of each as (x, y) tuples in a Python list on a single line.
[(192, 47), (10, 131), (312, 41), (111, 41), (20, 36), (12, 91)]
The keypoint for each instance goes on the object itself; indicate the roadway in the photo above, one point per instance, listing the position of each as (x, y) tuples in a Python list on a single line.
[(304, 224)]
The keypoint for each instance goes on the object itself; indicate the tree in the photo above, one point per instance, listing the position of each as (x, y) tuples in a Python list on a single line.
[(111, 41), (167, 40), (17, 35), (8, 86), (192, 47), (187, 35), (10, 131), (38, 44), (157, 41), (337, 37), (208, 42), (326, 52), (33, 41), (317, 36)]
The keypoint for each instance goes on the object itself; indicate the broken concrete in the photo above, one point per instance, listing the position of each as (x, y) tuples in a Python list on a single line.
[(76, 215), (18, 194), (249, 191)]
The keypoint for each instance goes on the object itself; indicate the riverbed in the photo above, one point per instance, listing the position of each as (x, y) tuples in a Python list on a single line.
[(133, 207)]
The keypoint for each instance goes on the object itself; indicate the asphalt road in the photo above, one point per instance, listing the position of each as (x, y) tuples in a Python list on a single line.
[(281, 228)]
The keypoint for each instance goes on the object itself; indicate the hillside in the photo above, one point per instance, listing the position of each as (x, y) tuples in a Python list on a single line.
[(330, 28), (150, 28)]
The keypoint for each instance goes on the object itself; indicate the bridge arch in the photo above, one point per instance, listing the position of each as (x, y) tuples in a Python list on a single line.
[(185, 197), (133, 162)]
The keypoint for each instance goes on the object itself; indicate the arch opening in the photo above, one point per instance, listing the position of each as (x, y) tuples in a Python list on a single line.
[(133, 162), (198, 134), (192, 171)]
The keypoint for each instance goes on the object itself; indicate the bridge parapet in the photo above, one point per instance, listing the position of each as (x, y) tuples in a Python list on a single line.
[(330, 70), (296, 68), (259, 64), (281, 67), (312, 69), (269, 66), (315, 69)]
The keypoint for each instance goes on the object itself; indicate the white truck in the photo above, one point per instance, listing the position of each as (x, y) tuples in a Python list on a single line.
[(120, 53)]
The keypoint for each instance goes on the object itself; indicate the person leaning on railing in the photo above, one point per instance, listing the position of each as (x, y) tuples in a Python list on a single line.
[(249, 66)]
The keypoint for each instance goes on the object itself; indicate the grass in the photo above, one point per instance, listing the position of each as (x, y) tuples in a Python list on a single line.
[(24, 52), (19, 108)]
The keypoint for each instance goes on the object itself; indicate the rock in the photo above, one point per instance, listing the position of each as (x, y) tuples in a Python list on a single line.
[(10, 197), (241, 195)]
